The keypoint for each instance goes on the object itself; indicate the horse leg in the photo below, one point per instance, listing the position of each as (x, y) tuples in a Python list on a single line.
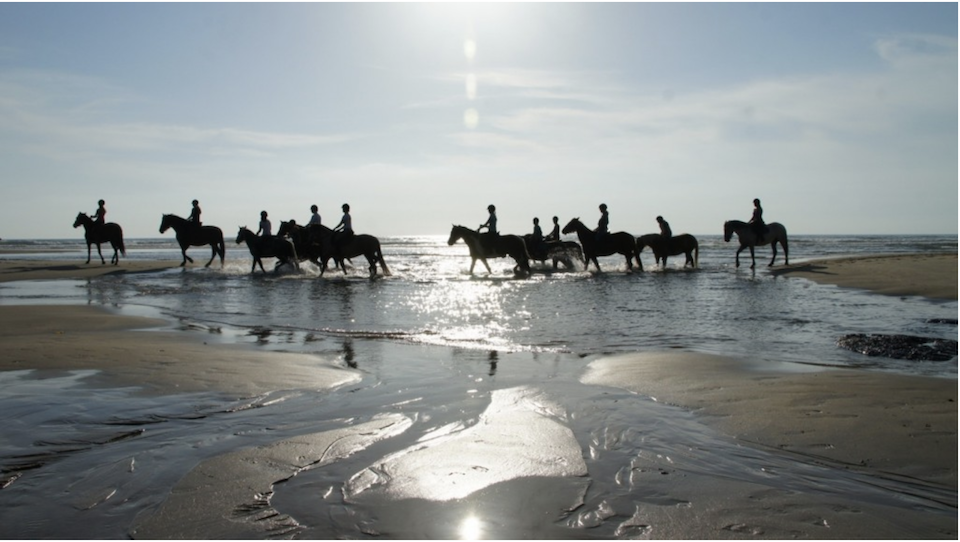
[(213, 254), (753, 258), (595, 263), (739, 250), (88, 252), (100, 253), (773, 246)]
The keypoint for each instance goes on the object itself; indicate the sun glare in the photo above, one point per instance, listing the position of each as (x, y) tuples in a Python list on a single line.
[(471, 118), (469, 49), (471, 528)]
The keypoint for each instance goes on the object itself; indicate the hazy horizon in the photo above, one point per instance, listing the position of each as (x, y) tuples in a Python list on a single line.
[(841, 118)]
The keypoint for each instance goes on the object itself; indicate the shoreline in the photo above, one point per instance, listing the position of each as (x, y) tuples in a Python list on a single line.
[(932, 276), (882, 425), (14, 270)]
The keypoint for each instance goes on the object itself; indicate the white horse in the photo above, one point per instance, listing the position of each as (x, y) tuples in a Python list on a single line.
[(776, 233)]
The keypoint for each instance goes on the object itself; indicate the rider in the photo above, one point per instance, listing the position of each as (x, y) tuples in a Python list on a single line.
[(100, 215), (759, 227), (555, 233), (603, 226), (489, 240), (195, 214), (343, 230), (537, 242), (665, 231), (265, 227), (315, 217)]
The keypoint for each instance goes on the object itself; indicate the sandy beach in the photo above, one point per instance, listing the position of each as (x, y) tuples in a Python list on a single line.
[(900, 427), (927, 275)]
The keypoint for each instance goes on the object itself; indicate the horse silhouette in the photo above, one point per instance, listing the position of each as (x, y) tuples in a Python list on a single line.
[(95, 234), (190, 235), (360, 244), (503, 246), (677, 244), (608, 244), (268, 247), (776, 233)]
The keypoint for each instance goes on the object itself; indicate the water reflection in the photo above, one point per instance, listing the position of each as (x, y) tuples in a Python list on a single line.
[(471, 528), (349, 356)]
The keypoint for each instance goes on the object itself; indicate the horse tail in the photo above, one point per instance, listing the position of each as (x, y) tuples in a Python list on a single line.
[(123, 248), (383, 264), (786, 250), (696, 253), (221, 247)]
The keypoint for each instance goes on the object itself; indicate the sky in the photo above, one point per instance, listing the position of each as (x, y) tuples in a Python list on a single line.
[(841, 118)]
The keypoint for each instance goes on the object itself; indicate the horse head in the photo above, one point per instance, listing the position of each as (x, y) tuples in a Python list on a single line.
[(727, 231), (286, 228), (243, 234), (572, 225), (456, 233), (164, 223), (82, 219)]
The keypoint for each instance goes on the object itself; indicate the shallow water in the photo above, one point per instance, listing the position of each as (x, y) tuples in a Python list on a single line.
[(442, 349)]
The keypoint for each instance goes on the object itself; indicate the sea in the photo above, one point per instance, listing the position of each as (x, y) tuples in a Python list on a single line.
[(462, 337)]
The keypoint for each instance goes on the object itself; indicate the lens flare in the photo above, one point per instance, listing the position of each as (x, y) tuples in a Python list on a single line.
[(469, 49), (471, 118), (471, 528)]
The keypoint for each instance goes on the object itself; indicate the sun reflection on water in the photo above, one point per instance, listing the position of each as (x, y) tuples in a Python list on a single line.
[(471, 528)]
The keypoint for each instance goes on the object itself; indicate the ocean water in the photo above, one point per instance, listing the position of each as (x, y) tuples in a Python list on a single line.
[(431, 299), (441, 347)]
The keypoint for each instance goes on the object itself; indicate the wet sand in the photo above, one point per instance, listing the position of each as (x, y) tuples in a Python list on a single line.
[(40, 270), (927, 275), (898, 429)]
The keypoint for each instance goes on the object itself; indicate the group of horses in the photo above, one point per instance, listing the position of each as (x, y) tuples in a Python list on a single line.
[(593, 245), (319, 244)]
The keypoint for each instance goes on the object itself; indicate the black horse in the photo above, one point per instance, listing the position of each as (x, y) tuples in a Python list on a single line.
[(268, 247), (505, 245), (677, 244), (612, 243), (95, 234), (319, 243), (189, 235)]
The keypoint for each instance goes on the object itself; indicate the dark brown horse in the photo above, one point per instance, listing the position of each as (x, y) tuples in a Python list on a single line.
[(268, 247), (189, 235), (308, 240), (775, 233), (335, 245), (504, 245), (95, 234), (608, 244), (678, 244)]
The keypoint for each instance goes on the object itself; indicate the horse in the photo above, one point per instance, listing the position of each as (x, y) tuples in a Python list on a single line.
[(95, 234), (308, 241), (504, 245), (611, 243), (268, 247), (677, 244), (558, 251), (189, 235), (776, 233), (362, 244)]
